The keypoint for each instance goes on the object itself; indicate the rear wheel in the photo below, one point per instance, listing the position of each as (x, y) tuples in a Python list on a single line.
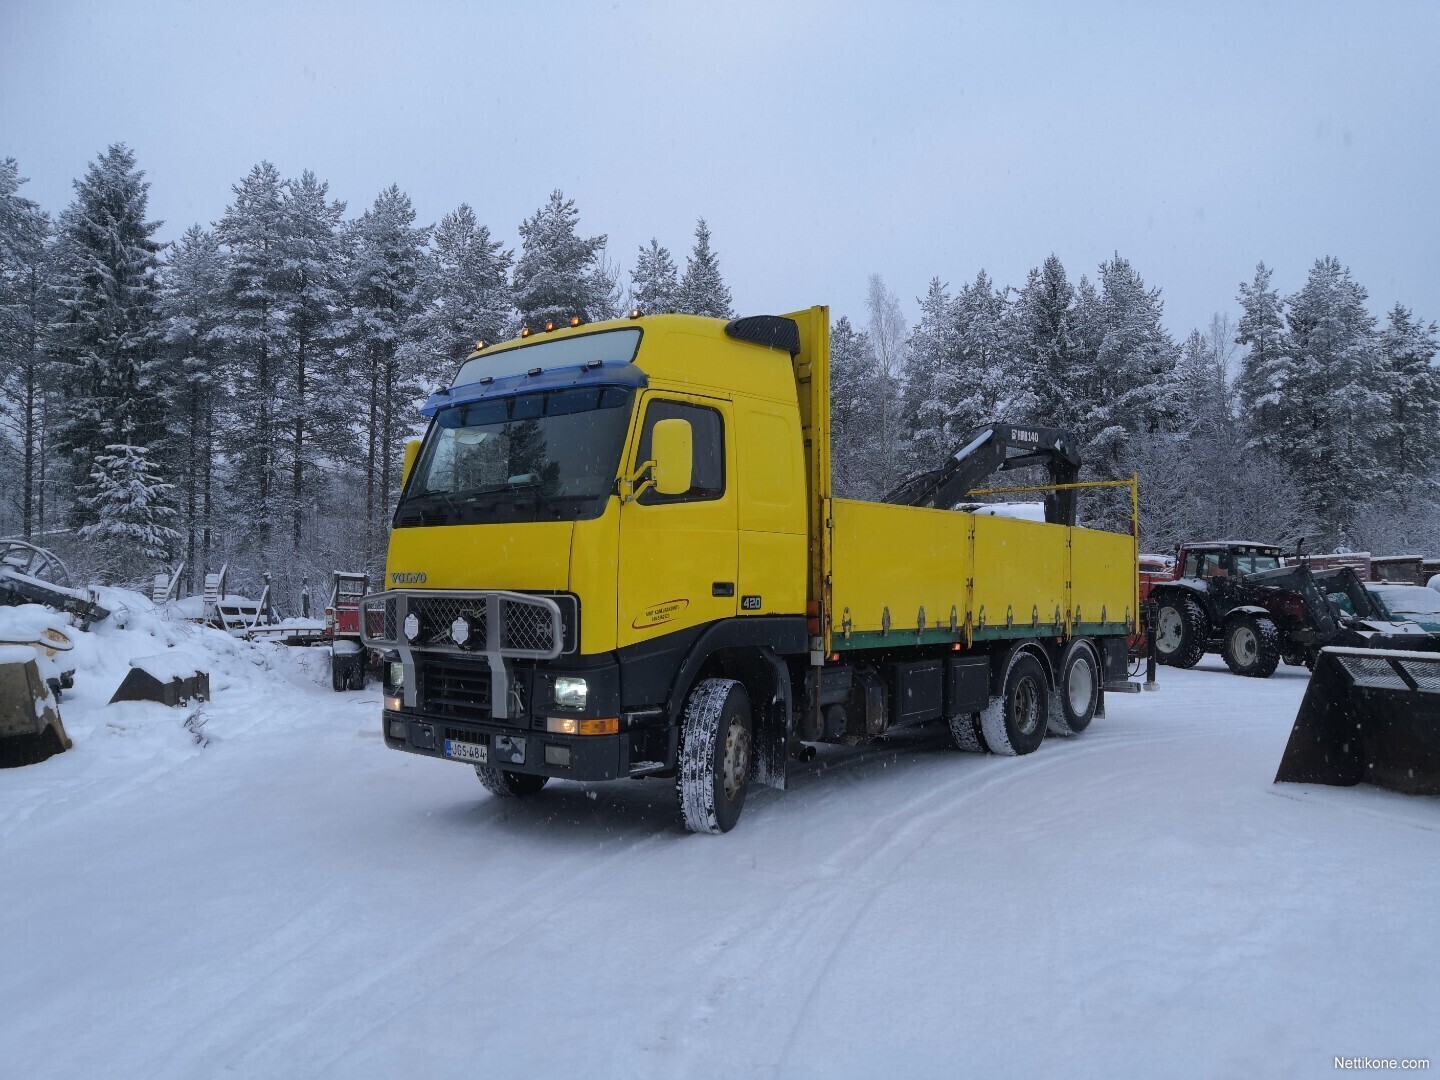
[(1078, 695), (715, 756), (357, 672), (1251, 645), (965, 729), (339, 673), (1014, 723), (509, 785), (1181, 631)]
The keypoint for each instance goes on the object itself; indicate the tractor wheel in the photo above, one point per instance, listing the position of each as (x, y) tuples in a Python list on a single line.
[(1251, 645), (1078, 696), (509, 785), (1181, 631), (715, 756), (339, 674), (1014, 723)]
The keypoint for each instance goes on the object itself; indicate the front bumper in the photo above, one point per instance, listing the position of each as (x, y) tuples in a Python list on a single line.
[(643, 749)]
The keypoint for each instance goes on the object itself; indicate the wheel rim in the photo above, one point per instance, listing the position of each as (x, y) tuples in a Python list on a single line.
[(1244, 645), (1169, 629), (1081, 686), (1026, 711), (736, 764)]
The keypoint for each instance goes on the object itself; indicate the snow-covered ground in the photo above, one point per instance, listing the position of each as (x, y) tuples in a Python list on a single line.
[(291, 899)]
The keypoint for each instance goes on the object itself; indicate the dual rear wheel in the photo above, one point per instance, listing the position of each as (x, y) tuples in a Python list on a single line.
[(1017, 720)]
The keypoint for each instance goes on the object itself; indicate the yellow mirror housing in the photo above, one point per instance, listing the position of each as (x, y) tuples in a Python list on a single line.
[(672, 448), (412, 448)]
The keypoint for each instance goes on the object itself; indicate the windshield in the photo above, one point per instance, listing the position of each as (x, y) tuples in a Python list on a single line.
[(543, 456), (1408, 599)]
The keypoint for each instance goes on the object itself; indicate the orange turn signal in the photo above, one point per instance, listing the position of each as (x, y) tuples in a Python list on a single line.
[(570, 725)]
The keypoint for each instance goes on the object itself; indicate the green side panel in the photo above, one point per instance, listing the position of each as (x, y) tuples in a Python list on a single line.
[(899, 639)]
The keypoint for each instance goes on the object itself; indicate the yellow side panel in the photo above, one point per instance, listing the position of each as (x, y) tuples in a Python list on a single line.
[(772, 567), (530, 555), (773, 543), (594, 556), (1020, 572), (898, 557), (1105, 577)]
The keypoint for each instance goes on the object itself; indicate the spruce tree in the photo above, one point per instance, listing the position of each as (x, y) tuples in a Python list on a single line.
[(853, 415), (106, 333), (1328, 433), (192, 307), (702, 290), (310, 414), (1409, 441), (560, 274), (1266, 370), (655, 282), (132, 510), (387, 263), (932, 361), (466, 292), (1041, 337), (254, 232), (26, 307)]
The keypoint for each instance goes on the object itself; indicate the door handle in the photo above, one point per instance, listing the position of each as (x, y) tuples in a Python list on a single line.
[(722, 588)]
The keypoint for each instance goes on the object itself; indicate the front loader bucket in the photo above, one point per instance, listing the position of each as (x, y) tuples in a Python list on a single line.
[(30, 725), (1369, 716)]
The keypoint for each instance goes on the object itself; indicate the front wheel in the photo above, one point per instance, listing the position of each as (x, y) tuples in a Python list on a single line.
[(1014, 723), (1251, 645), (715, 756), (509, 785)]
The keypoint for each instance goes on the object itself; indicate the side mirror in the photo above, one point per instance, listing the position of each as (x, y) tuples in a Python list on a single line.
[(672, 448), (412, 448)]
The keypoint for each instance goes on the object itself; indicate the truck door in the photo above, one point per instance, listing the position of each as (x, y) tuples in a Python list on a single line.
[(678, 553)]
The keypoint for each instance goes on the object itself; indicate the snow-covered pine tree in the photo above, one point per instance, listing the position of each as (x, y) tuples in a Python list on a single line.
[(983, 380), (560, 273), (1266, 369), (192, 307), (312, 412), (655, 281), (385, 274), (132, 512), (1132, 373), (106, 333), (1042, 341), (1409, 442), (702, 290), (932, 376), (26, 307), (1328, 433), (253, 231), (853, 413), (466, 292)]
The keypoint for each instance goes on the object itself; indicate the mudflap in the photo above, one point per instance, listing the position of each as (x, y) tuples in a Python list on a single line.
[(1368, 716)]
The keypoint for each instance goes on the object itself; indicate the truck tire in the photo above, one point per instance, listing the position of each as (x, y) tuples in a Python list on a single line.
[(715, 756), (1014, 723), (1251, 645), (1182, 631), (966, 731), (1077, 696), (509, 785), (339, 674), (357, 672)]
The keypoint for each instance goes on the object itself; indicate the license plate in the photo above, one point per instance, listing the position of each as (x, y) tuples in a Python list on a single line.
[(465, 751)]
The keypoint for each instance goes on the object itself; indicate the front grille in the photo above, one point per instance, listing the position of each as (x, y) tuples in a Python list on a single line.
[(528, 628), (454, 687), (535, 626)]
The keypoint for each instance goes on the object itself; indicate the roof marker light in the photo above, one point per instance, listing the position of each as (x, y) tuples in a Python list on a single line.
[(574, 320), (525, 331), (635, 313), (479, 345), (549, 326)]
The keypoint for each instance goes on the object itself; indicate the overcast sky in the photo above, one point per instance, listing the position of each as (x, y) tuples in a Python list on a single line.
[(822, 143)]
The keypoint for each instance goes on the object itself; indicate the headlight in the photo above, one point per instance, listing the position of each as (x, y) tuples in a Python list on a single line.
[(460, 631), (570, 692), (412, 626), (397, 675)]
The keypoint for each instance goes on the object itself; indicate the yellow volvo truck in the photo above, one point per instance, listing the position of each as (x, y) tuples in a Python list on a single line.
[(616, 555)]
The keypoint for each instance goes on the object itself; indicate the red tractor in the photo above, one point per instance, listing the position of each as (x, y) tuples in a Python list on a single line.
[(342, 626), (1236, 598)]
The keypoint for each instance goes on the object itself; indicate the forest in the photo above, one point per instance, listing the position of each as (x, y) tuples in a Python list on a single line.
[(242, 395)]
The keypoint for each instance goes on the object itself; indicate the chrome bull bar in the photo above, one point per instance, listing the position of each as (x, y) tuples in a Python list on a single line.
[(497, 625)]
